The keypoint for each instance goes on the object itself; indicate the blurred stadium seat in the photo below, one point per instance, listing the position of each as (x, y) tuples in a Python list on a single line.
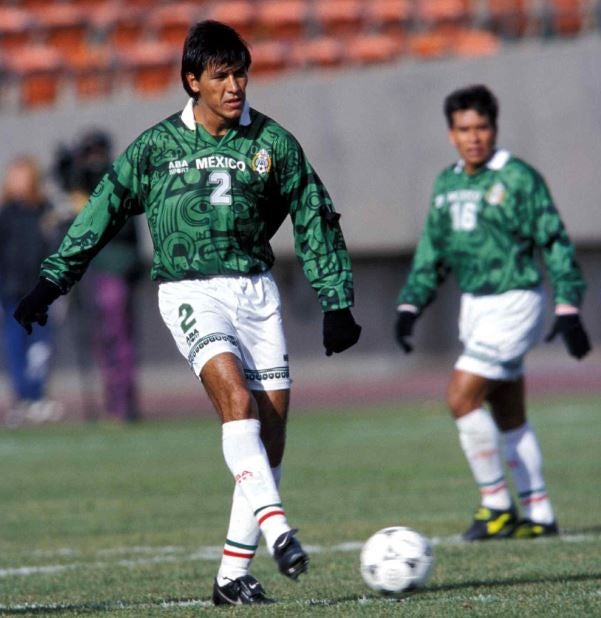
[(471, 42), (62, 26), (37, 71), (91, 71), (282, 20), (269, 57), (338, 17), (389, 16), (240, 14), (170, 23), (566, 17), (323, 51), (372, 48), (150, 67), (118, 24), (436, 13), (17, 27)]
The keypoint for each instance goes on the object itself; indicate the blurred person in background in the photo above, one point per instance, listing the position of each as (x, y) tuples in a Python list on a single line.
[(109, 289), (215, 182), (490, 215), (28, 234)]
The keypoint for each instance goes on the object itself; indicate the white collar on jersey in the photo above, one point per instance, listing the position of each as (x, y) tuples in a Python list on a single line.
[(188, 119), (496, 162)]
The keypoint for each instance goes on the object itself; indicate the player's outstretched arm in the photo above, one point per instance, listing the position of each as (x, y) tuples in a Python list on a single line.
[(340, 331), (34, 307), (406, 317), (572, 331)]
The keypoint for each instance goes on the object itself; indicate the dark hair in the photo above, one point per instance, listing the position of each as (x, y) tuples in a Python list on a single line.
[(478, 98), (212, 43)]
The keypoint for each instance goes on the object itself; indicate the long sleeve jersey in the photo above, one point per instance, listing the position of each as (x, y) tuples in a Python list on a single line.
[(487, 228), (212, 205)]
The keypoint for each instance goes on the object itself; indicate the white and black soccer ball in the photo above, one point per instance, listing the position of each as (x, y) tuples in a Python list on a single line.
[(396, 560)]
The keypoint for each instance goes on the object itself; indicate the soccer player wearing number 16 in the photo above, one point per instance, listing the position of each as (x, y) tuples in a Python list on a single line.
[(215, 182), (489, 214)]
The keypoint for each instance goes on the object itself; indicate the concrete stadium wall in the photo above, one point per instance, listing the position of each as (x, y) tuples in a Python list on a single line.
[(378, 137)]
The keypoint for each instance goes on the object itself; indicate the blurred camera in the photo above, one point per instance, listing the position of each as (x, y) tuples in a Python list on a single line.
[(81, 167)]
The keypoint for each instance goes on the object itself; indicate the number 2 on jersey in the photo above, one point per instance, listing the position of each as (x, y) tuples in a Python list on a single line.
[(220, 195)]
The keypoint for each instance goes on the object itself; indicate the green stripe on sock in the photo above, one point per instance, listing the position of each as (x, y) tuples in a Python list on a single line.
[(241, 545), (267, 506)]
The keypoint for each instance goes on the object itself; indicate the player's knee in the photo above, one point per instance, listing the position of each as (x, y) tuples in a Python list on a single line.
[(239, 405)]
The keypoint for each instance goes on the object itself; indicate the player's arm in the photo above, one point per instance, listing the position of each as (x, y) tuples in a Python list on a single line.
[(113, 201), (319, 244), (565, 273), (428, 271)]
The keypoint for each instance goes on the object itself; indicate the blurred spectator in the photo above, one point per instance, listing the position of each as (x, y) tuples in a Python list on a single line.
[(109, 285), (27, 234)]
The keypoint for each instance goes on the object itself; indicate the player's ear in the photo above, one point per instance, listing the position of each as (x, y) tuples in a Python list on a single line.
[(193, 82), (452, 140)]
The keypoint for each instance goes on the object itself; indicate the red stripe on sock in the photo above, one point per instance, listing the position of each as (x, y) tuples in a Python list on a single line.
[(270, 514), (492, 490), (534, 499), (227, 552)]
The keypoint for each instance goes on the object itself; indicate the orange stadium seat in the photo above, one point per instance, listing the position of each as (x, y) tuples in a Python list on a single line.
[(62, 26), (91, 71), (16, 27), (372, 48), (269, 57), (323, 51), (150, 66), (171, 22), (239, 14), (117, 24), (428, 45), (507, 18), (338, 17), (436, 13), (471, 42), (389, 16), (37, 70), (282, 19), (567, 17)]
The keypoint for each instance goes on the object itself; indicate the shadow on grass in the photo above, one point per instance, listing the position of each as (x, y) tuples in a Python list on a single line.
[(512, 581)]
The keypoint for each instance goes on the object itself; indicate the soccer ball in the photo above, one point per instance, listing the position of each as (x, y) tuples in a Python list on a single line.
[(396, 560)]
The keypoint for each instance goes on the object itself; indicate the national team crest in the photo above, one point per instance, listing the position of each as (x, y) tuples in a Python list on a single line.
[(495, 194), (261, 162)]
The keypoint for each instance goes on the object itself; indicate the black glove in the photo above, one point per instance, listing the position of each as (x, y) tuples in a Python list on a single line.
[(340, 331), (404, 329), (34, 307), (572, 331)]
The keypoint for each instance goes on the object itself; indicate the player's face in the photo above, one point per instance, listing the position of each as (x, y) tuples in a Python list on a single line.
[(221, 96), (474, 137)]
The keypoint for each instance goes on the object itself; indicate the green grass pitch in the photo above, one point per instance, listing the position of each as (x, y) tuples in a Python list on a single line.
[(99, 520)]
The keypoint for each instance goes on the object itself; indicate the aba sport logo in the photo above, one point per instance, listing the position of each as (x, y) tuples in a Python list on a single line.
[(261, 162)]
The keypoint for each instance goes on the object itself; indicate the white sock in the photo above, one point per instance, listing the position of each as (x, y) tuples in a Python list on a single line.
[(479, 440), (247, 460), (242, 536), (525, 461)]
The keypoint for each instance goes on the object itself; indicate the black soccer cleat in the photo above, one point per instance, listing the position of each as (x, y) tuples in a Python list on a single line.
[(290, 556), (491, 524), (245, 590), (528, 529)]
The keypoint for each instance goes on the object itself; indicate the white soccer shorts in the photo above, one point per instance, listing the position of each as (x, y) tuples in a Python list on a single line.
[(498, 330), (241, 315)]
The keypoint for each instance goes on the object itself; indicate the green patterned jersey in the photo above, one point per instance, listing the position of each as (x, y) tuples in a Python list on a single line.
[(212, 205), (487, 228)]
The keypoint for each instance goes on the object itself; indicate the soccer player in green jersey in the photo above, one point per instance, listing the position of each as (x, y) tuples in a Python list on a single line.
[(489, 214), (215, 182)]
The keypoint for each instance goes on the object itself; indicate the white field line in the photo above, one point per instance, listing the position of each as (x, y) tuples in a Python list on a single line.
[(174, 554)]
